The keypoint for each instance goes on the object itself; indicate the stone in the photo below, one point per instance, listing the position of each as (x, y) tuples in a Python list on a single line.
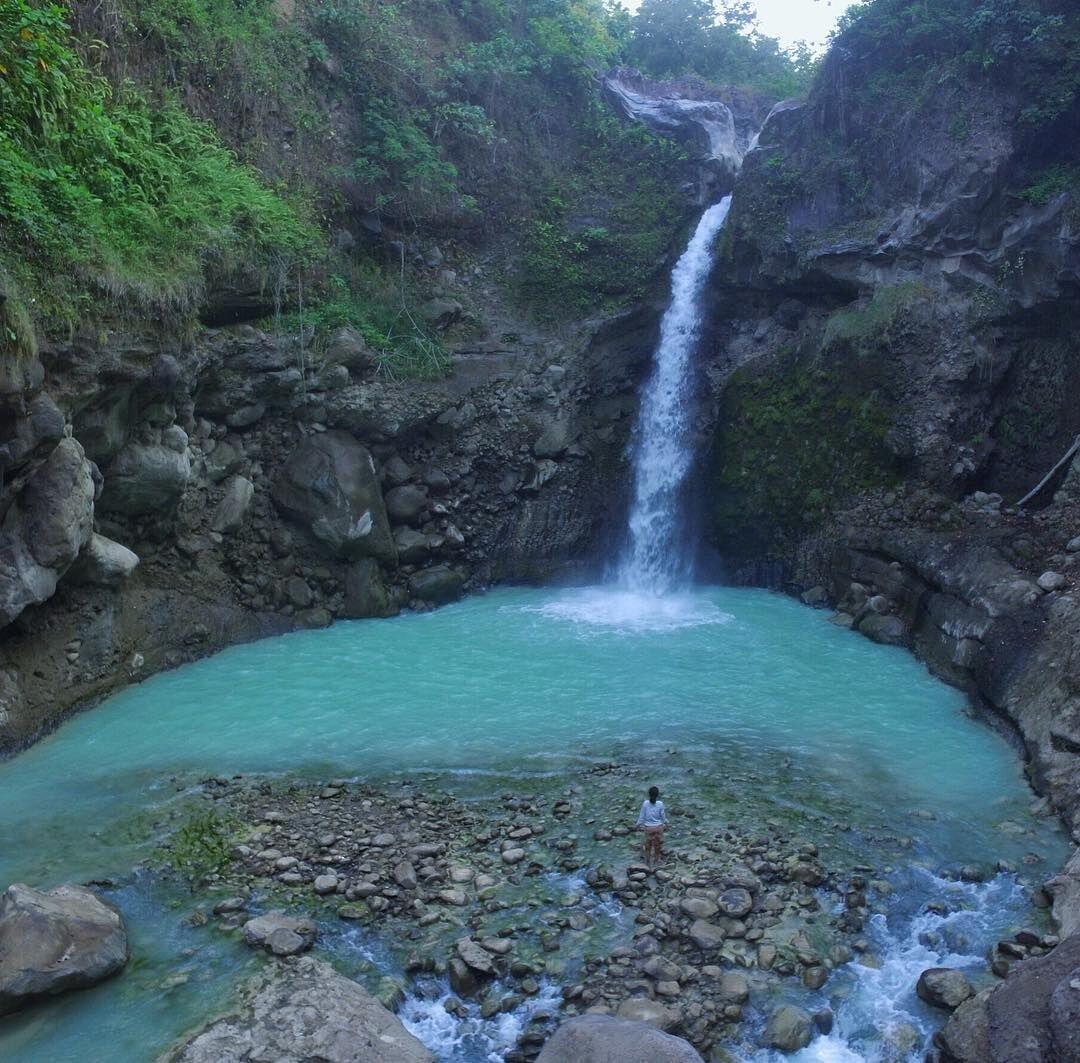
[(365, 591), (1073, 545), (605, 1039), (442, 313), (814, 977), (943, 987), (175, 438), (234, 505), (325, 884), (789, 1028), (734, 988), (54, 941), (303, 1009), (222, 460), (406, 504), (1052, 581), (45, 529), (698, 907), (144, 480), (477, 957), (405, 875), (965, 1038), (412, 546), (706, 935), (815, 596), (102, 563), (259, 931), (438, 585), (329, 485), (246, 416), (553, 441), (735, 902), (347, 347), (437, 482), (886, 629), (299, 592), (513, 856), (644, 1010)]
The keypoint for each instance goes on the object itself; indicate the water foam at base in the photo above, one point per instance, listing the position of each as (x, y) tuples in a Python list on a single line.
[(632, 611)]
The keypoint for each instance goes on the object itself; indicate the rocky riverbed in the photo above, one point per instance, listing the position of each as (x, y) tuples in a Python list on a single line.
[(532, 900)]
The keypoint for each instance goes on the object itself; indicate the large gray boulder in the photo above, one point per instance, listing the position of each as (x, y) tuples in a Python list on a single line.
[(45, 529), (944, 987), (234, 505), (103, 563), (604, 1039), (302, 1009), (438, 585), (144, 479), (789, 1029), (330, 485), (50, 942), (365, 591)]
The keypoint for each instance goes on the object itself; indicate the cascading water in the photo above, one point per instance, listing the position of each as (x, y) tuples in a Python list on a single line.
[(654, 561)]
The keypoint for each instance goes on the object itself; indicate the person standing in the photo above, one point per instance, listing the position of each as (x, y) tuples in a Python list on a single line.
[(653, 821)]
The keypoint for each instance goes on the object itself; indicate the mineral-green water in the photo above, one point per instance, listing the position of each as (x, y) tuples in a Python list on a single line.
[(515, 681)]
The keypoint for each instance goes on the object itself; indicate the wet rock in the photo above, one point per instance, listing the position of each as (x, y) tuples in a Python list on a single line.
[(789, 1029), (815, 977), (438, 585), (325, 884), (54, 941), (965, 1038), (365, 591), (412, 546), (886, 629), (477, 957), (293, 934), (102, 563), (303, 1009), (329, 485), (405, 875), (943, 987), (604, 1039), (733, 988)]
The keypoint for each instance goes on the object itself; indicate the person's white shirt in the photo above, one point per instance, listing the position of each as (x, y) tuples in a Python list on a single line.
[(652, 814)]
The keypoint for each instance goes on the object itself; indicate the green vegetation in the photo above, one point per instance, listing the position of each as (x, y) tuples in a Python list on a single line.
[(793, 443), (717, 39), (102, 191), (1031, 46), (1051, 183), (869, 328), (201, 846)]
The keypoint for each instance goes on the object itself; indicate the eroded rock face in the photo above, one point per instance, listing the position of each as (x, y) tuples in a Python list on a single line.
[(300, 1009), (45, 529), (145, 479), (51, 942), (604, 1039), (330, 485)]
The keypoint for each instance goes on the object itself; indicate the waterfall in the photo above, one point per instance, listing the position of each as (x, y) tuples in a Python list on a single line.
[(654, 561)]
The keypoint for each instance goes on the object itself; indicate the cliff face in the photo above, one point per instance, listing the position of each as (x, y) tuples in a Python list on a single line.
[(894, 365)]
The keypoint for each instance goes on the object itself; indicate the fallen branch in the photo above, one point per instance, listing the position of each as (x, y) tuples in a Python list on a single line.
[(1050, 475)]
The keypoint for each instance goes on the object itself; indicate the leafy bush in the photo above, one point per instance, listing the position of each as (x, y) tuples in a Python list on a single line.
[(136, 198)]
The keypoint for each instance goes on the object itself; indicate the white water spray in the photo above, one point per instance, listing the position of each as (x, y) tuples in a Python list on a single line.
[(653, 562)]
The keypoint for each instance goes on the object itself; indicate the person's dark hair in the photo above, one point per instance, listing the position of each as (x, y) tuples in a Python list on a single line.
[(654, 793)]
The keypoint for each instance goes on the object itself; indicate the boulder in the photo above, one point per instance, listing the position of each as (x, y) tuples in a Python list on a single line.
[(789, 1029), (942, 987), (965, 1038), (1064, 890), (348, 348), (1052, 581), (102, 563), (412, 546), (329, 484), (303, 1009), (406, 504), (706, 935), (53, 941), (604, 1039), (222, 460), (365, 592), (278, 929), (735, 902), (234, 505), (886, 629), (698, 907), (437, 585), (553, 441), (145, 479), (45, 529), (477, 958)]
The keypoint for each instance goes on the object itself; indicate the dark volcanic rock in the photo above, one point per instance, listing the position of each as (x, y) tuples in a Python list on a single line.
[(330, 485)]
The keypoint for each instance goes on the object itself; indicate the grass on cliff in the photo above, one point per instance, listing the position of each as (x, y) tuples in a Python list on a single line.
[(103, 192)]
